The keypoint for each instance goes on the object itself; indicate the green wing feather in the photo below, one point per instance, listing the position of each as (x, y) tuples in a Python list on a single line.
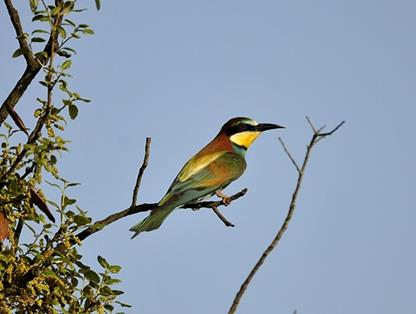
[(208, 179)]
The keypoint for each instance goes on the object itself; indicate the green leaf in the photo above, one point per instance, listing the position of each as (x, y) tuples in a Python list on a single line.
[(112, 281), (109, 307), (4, 258), (106, 290), (83, 99), (63, 87), (103, 262), (67, 102), (70, 22), (41, 54), (70, 49), (39, 31), (40, 17), (81, 265), (117, 292), (123, 304), (37, 40), (81, 220), (69, 201), (114, 269), (66, 64), (34, 5), (73, 111), (92, 276), (62, 32), (98, 4), (17, 53), (88, 31), (74, 281), (50, 273)]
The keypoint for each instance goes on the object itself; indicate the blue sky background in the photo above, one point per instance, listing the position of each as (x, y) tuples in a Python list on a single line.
[(176, 71)]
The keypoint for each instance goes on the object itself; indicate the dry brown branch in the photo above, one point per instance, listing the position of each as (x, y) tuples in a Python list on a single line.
[(141, 171), (289, 154), (315, 139)]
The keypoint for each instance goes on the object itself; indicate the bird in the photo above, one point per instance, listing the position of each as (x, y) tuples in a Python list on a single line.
[(209, 171)]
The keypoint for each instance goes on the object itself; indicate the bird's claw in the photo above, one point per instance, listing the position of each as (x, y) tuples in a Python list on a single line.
[(226, 200)]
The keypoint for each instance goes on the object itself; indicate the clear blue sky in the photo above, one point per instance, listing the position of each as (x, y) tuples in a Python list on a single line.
[(176, 71)]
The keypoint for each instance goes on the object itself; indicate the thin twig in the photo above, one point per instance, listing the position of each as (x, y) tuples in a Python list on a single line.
[(289, 215), (221, 216), (289, 154), (333, 130), (311, 125), (141, 171)]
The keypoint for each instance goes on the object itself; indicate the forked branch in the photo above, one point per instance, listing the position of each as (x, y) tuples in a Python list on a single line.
[(316, 137)]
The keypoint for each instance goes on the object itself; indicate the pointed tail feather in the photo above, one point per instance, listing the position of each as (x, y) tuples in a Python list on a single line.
[(153, 221)]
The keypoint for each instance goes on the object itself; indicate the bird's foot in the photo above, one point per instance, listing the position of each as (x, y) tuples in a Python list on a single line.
[(226, 200)]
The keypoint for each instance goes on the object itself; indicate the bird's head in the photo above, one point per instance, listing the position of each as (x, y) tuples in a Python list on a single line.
[(243, 131)]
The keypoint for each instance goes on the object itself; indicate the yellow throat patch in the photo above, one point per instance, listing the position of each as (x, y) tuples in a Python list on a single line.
[(244, 138)]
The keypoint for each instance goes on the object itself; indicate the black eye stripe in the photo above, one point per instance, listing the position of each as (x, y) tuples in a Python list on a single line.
[(238, 128)]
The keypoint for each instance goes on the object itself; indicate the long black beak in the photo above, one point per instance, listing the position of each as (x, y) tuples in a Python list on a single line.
[(267, 126)]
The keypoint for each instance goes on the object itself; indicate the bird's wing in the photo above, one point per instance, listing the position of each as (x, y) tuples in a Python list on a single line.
[(214, 175), (195, 164)]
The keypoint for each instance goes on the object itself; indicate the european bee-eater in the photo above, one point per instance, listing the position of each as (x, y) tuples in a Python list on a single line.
[(209, 171)]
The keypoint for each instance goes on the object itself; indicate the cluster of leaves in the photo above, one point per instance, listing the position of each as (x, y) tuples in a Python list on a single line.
[(41, 270)]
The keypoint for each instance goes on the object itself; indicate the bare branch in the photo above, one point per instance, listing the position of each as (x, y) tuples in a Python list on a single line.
[(221, 216), (141, 170), (311, 124), (289, 154), (315, 137), (333, 130)]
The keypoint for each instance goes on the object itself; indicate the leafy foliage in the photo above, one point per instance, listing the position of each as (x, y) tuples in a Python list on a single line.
[(41, 270)]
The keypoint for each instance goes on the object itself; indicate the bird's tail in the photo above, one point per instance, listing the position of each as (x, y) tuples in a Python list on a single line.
[(153, 221)]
